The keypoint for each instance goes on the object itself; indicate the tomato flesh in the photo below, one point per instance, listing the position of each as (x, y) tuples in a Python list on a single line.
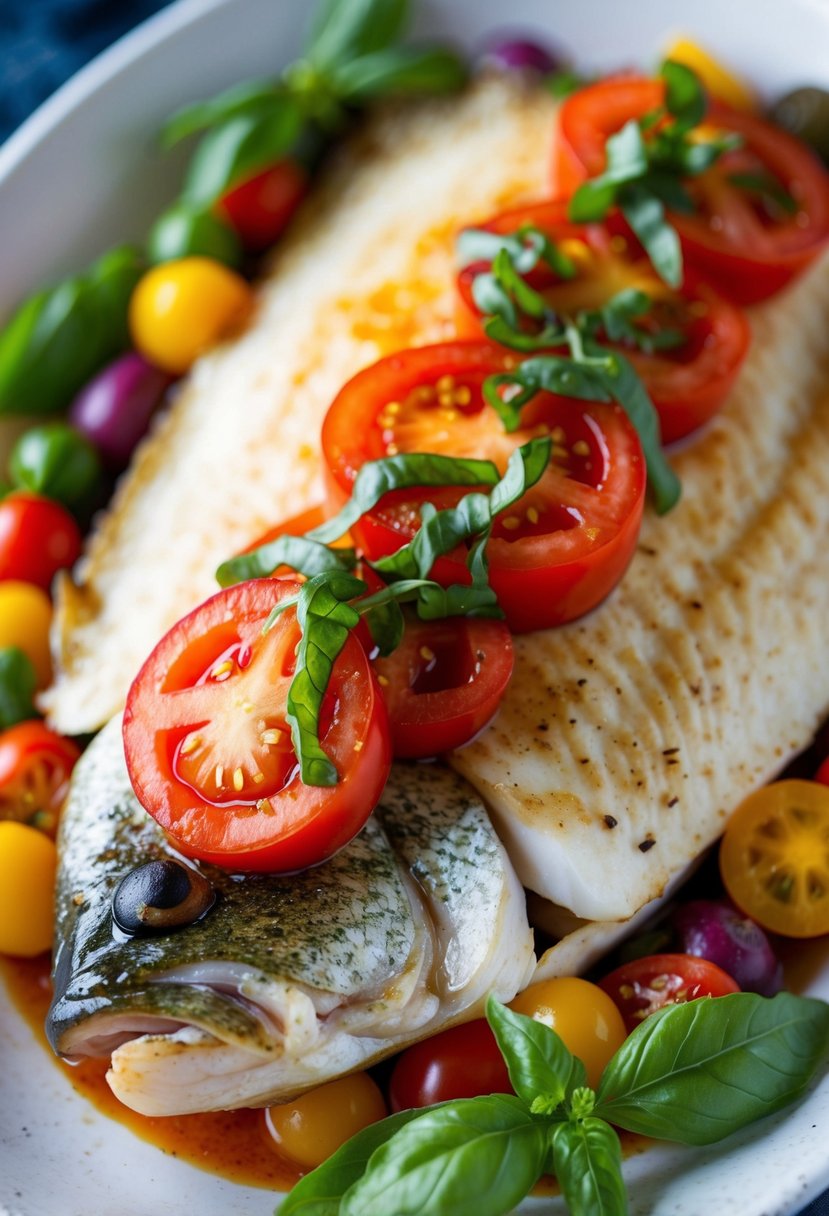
[(35, 767), (559, 551), (748, 254), (641, 987), (209, 749), (444, 683), (462, 1062), (687, 384)]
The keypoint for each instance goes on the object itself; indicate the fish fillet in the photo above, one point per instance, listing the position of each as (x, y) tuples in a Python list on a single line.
[(288, 981)]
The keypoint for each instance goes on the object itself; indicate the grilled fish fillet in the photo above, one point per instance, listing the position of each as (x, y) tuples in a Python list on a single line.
[(625, 739), (288, 981)]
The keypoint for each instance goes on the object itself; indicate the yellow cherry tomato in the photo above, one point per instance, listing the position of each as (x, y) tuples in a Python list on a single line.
[(28, 860), (181, 308), (774, 858), (25, 617), (313, 1126), (717, 78), (583, 1016)]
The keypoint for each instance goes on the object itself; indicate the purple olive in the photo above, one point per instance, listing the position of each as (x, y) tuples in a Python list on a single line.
[(115, 408), (719, 933), (520, 54)]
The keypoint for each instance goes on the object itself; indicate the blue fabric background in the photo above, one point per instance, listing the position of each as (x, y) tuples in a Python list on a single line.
[(43, 42)]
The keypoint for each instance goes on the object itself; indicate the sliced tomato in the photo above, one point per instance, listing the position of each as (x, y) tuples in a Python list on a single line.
[(565, 545), (259, 208), (646, 984), (209, 749), (444, 683), (687, 384), (774, 857), (35, 767), (746, 250), (462, 1062)]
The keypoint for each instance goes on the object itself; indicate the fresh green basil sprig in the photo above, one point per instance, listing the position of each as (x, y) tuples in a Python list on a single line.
[(647, 163), (693, 1073), (56, 460)]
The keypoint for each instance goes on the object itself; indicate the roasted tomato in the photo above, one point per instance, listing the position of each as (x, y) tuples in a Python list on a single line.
[(462, 1062), (774, 857), (209, 750), (744, 246), (444, 682), (35, 767), (687, 383), (641, 987), (565, 545)]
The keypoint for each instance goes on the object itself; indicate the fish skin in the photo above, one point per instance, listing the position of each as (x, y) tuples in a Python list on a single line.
[(289, 980)]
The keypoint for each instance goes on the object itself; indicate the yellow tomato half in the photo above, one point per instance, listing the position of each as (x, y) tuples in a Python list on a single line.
[(28, 860), (313, 1126), (583, 1016)]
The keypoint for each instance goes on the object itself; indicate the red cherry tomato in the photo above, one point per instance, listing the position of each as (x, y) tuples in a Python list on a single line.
[(259, 208), (560, 550), (644, 985), (35, 767), (444, 683), (209, 750), (462, 1062), (746, 250), (38, 537), (822, 775), (687, 384)]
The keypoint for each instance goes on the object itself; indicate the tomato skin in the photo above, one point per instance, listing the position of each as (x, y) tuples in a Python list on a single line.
[(38, 537), (35, 767), (309, 1129), (444, 683), (581, 1014), (552, 574), (822, 775), (25, 621), (745, 259), (28, 862), (646, 984), (686, 390), (259, 209), (461, 1062), (184, 696), (774, 857)]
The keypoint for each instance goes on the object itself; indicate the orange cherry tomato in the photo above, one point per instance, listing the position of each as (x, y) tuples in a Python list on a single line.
[(581, 1014), (312, 1127)]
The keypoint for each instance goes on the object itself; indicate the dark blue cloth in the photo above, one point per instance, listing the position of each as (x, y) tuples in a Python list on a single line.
[(43, 42)]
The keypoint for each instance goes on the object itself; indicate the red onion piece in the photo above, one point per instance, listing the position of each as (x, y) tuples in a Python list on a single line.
[(114, 409)]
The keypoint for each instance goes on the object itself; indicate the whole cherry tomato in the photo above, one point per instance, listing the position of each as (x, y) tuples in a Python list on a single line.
[(38, 537), (461, 1062)]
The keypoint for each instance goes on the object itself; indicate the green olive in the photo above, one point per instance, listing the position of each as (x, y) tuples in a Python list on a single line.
[(182, 233), (805, 113), (57, 461)]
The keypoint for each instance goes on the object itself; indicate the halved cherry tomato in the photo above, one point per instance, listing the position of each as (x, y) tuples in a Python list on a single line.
[(565, 545), (744, 249), (462, 1062), (35, 767), (687, 384), (444, 683), (209, 750), (774, 857), (38, 537), (646, 984), (258, 209), (583, 1017)]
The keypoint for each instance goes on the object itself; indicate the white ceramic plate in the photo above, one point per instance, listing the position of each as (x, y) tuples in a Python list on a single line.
[(84, 173)]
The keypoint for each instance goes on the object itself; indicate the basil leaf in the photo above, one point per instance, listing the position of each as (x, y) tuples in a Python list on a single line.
[(379, 477), (319, 1193), (112, 280), (240, 148), (346, 29), (587, 1158), (527, 246), (767, 188), (398, 71), (326, 620), (626, 160), (473, 1157), (386, 625), (494, 301), (698, 1072), (18, 682), (246, 98), (669, 190), (476, 599), (306, 556), (550, 373), (539, 1064), (618, 316), (685, 98), (646, 216)]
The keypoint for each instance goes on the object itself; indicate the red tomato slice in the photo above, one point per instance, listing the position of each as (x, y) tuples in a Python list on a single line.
[(644, 985), (687, 385), (444, 683), (259, 209), (462, 1062), (38, 537), (209, 750), (748, 253), (35, 767), (565, 545)]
